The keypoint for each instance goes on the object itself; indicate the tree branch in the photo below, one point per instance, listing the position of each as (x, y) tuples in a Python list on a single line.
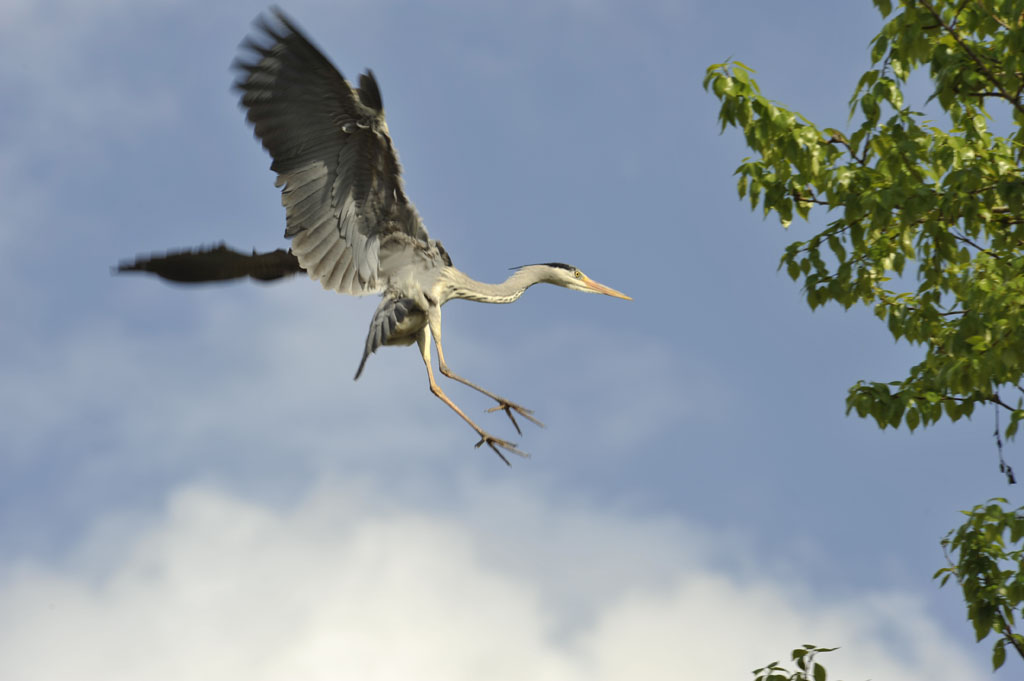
[(995, 17), (799, 196), (995, 399), (835, 139), (1008, 632), (964, 239), (975, 58)]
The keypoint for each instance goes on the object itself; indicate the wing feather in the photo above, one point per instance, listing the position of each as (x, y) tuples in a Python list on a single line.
[(214, 263), (338, 171)]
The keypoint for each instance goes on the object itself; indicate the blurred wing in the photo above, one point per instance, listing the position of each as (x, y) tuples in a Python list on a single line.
[(340, 177), (215, 263)]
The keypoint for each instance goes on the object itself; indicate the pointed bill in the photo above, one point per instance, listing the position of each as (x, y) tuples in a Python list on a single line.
[(601, 288)]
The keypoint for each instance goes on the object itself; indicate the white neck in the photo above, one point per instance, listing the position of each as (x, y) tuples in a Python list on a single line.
[(458, 285)]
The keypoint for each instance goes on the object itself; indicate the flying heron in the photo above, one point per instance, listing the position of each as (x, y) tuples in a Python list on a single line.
[(351, 225)]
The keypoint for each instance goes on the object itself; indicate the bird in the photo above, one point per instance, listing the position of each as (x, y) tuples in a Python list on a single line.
[(350, 223)]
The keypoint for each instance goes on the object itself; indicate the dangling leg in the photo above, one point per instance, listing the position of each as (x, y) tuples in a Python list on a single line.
[(423, 340), (506, 405)]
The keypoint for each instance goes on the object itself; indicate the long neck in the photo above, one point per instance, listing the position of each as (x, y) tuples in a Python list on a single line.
[(458, 285)]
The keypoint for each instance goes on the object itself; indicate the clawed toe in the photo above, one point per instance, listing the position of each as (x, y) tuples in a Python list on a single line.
[(508, 407), (494, 443)]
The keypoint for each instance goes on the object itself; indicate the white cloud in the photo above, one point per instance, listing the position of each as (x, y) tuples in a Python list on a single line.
[(356, 582), (104, 393)]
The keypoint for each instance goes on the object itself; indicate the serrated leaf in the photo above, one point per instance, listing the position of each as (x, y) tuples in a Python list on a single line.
[(927, 230)]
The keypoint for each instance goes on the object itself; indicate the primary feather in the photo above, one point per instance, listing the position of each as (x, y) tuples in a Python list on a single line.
[(340, 179)]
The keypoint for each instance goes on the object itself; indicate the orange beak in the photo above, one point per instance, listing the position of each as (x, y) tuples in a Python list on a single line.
[(601, 288)]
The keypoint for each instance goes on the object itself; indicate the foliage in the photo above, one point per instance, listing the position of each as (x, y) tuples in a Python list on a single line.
[(806, 668), (986, 557), (927, 228), (927, 223)]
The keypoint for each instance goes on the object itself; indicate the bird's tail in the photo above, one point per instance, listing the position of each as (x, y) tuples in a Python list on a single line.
[(214, 263)]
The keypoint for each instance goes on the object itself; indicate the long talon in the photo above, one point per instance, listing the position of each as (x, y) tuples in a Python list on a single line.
[(494, 443), (507, 407), (508, 412)]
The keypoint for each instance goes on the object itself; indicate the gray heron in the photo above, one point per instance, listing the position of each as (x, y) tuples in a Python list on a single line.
[(351, 225)]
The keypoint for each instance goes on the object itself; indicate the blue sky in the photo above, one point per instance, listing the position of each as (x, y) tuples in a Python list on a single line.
[(191, 485)]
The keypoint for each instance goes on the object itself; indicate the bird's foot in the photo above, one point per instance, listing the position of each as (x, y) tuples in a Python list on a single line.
[(509, 407), (497, 444)]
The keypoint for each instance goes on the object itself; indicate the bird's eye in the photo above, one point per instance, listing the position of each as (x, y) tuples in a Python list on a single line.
[(577, 274)]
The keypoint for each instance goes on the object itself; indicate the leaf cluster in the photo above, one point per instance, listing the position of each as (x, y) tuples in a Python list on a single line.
[(927, 221), (806, 667), (985, 556)]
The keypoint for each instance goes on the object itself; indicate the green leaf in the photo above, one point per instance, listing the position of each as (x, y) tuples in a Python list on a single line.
[(913, 419), (878, 48), (926, 219), (998, 654)]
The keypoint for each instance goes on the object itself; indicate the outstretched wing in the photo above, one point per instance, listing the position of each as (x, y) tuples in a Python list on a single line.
[(340, 176), (215, 263)]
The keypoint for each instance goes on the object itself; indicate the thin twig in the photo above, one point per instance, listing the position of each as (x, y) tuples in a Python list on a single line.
[(961, 237), (975, 58), (995, 399), (862, 159), (995, 17), (1004, 467)]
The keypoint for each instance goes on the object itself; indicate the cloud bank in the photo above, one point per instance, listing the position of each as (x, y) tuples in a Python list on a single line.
[(354, 581)]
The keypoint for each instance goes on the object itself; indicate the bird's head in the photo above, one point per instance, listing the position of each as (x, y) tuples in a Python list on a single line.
[(560, 274)]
